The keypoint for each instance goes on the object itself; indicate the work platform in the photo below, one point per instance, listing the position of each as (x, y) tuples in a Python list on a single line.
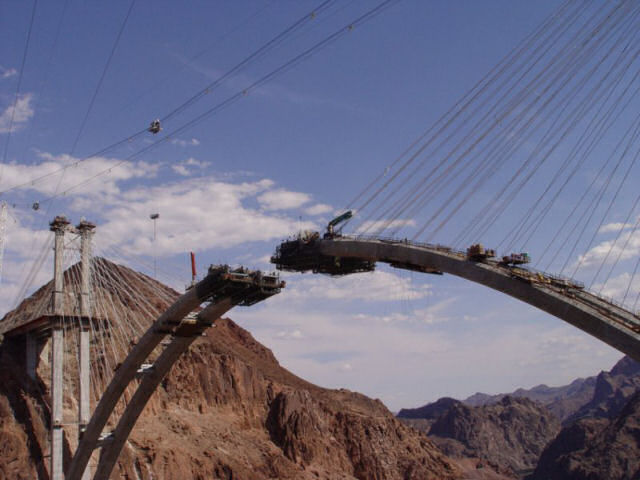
[(302, 254)]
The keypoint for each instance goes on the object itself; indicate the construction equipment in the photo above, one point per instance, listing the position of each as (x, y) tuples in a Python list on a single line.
[(155, 127), (302, 254), (478, 252), (336, 221), (516, 259)]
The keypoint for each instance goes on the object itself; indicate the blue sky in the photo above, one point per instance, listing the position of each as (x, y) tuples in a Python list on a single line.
[(288, 155)]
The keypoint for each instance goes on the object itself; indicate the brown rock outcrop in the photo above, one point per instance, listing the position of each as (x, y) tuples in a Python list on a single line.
[(595, 449), (603, 442), (509, 435), (612, 391)]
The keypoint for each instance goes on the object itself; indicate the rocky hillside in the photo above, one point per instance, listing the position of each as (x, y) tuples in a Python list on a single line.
[(600, 396), (595, 448), (509, 435), (612, 391), (508, 444), (602, 438), (227, 410)]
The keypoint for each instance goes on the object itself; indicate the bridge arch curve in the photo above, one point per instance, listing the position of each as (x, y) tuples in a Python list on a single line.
[(557, 296), (223, 289)]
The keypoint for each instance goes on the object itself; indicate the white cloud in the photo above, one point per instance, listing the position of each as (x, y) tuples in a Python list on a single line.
[(616, 287), (282, 199), (629, 241), (346, 367), (615, 227), (23, 112), (181, 170), (188, 167), (293, 334), (430, 315), (195, 214), (7, 73), (57, 181), (376, 286), (319, 209), (372, 226), (436, 313), (193, 142)]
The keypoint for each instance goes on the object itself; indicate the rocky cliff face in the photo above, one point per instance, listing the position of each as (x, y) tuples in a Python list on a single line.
[(233, 409), (227, 410), (595, 449), (602, 439), (612, 391), (509, 435)]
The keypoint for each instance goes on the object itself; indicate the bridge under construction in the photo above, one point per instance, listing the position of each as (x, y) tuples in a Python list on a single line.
[(562, 297), (90, 308)]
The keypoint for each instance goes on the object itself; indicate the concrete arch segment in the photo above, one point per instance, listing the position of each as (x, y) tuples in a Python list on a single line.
[(223, 287), (594, 315), (179, 344)]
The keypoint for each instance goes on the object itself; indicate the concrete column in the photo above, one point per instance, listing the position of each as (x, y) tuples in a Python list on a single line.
[(58, 227), (57, 472), (84, 408), (32, 356)]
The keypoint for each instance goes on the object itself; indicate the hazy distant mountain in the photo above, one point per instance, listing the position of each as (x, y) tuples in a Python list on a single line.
[(562, 401), (431, 411), (509, 431)]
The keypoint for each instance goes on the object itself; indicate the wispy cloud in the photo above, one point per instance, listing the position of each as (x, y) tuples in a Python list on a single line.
[(617, 286), (189, 167), (627, 246), (193, 142), (21, 113), (7, 72), (430, 315), (377, 286), (318, 209), (377, 225), (282, 199), (615, 227)]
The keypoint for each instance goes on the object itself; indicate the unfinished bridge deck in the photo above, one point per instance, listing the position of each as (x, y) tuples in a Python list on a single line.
[(561, 297)]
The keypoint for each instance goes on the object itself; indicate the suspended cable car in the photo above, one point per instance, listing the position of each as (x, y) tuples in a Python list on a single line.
[(36, 205), (155, 126)]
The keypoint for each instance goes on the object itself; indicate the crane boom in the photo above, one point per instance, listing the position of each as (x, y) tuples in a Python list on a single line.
[(338, 220)]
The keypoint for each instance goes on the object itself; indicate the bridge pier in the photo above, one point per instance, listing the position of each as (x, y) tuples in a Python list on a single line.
[(84, 358), (58, 227)]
